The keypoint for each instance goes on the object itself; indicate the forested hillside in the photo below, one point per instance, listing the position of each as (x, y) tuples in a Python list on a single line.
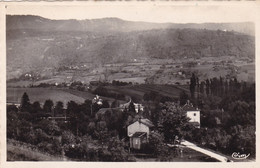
[(58, 43)]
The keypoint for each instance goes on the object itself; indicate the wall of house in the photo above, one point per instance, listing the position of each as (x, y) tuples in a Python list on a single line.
[(137, 127), (194, 116)]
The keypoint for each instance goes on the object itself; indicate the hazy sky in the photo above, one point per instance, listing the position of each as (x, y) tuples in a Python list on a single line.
[(151, 12)]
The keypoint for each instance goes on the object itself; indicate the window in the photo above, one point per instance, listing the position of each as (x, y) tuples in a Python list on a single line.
[(194, 114)]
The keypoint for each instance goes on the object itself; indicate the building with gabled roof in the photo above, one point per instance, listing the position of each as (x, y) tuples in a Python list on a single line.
[(138, 132), (138, 107), (192, 113)]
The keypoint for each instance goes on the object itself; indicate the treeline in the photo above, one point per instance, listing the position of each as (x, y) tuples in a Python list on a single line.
[(217, 86), (121, 83)]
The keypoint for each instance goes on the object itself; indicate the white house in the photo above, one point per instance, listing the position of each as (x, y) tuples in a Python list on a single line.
[(192, 113)]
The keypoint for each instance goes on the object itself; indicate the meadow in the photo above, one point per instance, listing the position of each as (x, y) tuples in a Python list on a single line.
[(41, 94)]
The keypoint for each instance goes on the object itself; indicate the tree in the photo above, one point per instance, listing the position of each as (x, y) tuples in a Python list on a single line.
[(25, 103), (207, 87), (58, 108), (131, 107), (115, 104), (156, 143), (192, 85), (183, 98), (47, 107), (13, 124), (72, 108), (86, 107), (50, 127), (12, 108), (173, 120), (244, 141), (116, 150), (202, 85), (242, 113), (36, 107), (105, 104)]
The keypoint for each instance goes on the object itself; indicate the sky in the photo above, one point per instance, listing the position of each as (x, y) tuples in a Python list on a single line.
[(149, 12)]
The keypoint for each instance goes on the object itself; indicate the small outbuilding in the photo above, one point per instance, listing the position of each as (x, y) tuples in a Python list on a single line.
[(138, 132)]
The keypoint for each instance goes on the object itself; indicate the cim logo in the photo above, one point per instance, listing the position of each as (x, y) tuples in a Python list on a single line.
[(237, 155)]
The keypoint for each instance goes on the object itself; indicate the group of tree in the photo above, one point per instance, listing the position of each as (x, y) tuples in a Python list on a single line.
[(227, 120), (120, 83), (217, 86), (73, 136), (227, 114)]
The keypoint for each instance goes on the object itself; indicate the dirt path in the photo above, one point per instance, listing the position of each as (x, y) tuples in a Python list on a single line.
[(204, 151)]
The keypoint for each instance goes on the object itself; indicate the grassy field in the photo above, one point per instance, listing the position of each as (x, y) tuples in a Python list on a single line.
[(138, 91), (24, 153), (41, 94), (87, 95)]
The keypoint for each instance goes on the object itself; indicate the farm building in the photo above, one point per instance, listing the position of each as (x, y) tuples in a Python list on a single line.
[(138, 107), (97, 100), (192, 113), (138, 132)]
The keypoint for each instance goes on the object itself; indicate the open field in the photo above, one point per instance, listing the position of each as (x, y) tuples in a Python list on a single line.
[(17, 151), (87, 95), (138, 91), (41, 94)]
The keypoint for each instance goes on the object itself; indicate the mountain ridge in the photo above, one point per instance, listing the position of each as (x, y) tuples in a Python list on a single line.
[(115, 24)]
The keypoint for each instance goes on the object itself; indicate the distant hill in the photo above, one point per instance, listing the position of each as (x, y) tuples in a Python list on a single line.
[(37, 43), (20, 22)]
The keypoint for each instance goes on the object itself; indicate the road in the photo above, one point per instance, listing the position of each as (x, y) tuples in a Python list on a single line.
[(204, 151)]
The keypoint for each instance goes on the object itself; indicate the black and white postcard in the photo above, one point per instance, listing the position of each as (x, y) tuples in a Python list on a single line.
[(165, 83)]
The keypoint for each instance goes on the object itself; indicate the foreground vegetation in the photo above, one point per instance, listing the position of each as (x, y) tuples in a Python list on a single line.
[(227, 123)]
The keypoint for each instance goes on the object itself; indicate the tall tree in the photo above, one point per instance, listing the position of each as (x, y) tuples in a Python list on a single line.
[(47, 107), (58, 108), (72, 108), (183, 98), (192, 85), (207, 87), (36, 107), (131, 107), (202, 85), (25, 103)]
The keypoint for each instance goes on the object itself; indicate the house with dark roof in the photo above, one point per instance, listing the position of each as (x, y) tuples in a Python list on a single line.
[(138, 132), (192, 113)]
